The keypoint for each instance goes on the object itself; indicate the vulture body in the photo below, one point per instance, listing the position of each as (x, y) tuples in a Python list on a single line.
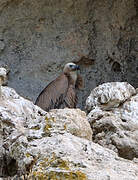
[(61, 92)]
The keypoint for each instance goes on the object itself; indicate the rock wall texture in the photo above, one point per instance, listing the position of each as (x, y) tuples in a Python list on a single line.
[(36, 145), (113, 115), (38, 37)]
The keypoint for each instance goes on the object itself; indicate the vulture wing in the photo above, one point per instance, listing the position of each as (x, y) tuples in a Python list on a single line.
[(53, 95)]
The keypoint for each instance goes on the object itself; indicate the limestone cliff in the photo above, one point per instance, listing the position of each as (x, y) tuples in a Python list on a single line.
[(38, 37), (39, 145), (36, 145)]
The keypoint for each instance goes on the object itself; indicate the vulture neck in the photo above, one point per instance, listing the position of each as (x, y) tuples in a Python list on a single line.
[(72, 76)]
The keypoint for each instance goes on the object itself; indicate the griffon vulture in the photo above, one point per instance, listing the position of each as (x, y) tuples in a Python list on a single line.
[(61, 92)]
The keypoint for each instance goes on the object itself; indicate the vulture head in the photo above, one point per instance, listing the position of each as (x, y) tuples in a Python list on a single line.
[(61, 92), (70, 70), (69, 67)]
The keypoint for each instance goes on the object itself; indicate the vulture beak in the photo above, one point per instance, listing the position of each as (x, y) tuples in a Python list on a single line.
[(74, 67), (77, 67)]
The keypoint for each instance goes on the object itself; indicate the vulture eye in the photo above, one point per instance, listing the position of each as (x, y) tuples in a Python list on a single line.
[(71, 65)]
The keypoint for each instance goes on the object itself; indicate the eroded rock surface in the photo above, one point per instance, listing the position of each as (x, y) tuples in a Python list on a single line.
[(79, 159), (69, 120), (109, 95), (3, 75), (22, 122), (114, 118), (56, 145)]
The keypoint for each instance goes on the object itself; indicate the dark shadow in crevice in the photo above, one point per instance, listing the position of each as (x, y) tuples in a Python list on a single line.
[(8, 167), (116, 67)]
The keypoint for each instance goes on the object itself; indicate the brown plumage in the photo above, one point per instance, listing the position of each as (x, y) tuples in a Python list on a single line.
[(61, 92)]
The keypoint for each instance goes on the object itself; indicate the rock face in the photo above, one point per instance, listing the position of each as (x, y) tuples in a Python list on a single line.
[(80, 159), (69, 120), (56, 145), (3, 78), (38, 37), (114, 118), (23, 123), (3, 75), (109, 95)]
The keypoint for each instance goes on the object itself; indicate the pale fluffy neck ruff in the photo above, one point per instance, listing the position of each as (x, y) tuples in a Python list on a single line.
[(73, 75)]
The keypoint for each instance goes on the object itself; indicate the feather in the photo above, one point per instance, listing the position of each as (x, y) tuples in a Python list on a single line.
[(53, 95), (71, 97), (61, 92), (79, 82)]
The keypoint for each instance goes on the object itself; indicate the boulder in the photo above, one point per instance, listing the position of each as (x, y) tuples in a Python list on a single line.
[(69, 120), (56, 145), (22, 122), (114, 118), (3, 75), (109, 95)]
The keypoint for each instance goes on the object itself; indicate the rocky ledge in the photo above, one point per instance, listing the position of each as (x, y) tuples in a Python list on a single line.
[(35, 144)]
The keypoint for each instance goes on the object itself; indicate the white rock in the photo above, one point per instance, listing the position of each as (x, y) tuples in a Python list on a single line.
[(117, 127), (129, 110), (24, 122), (3, 78), (41, 145), (70, 157), (109, 95), (70, 120)]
